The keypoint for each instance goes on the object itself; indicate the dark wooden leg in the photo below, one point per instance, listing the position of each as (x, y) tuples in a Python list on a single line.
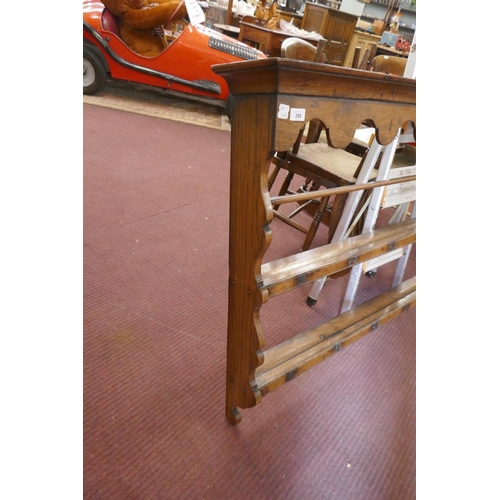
[(313, 229), (284, 187), (275, 172), (272, 177)]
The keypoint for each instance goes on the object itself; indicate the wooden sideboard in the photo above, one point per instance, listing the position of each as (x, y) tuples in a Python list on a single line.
[(272, 100), (291, 17), (334, 25)]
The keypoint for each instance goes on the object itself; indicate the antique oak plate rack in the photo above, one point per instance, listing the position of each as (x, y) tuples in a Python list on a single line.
[(271, 100)]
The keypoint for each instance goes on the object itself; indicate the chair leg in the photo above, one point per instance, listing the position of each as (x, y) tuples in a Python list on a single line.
[(280, 155), (313, 228), (300, 208), (305, 189), (272, 178), (284, 187), (286, 184)]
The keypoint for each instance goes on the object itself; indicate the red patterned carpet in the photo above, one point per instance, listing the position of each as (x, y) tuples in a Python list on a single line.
[(155, 273)]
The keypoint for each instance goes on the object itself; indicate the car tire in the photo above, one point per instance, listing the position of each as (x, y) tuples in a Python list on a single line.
[(229, 106), (94, 71)]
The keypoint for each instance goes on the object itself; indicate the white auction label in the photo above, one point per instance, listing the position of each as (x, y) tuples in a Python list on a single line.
[(195, 12), (283, 110), (297, 114)]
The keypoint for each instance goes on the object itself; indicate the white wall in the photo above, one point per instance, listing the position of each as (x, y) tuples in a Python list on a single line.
[(352, 7)]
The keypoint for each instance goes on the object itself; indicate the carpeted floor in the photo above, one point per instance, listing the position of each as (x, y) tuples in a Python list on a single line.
[(149, 101), (155, 273)]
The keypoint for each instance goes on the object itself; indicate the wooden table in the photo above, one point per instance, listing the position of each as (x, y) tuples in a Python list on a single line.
[(229, 30), (390, 51), (272, 100), (268, 41)]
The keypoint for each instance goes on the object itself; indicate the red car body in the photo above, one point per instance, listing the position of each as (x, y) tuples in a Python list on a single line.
[(184, 66)]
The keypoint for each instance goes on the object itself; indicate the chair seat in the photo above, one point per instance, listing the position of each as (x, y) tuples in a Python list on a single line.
[(339, 163), (407, 157)]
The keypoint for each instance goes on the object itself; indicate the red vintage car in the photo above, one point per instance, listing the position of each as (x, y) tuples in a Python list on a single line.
[(185, 66)]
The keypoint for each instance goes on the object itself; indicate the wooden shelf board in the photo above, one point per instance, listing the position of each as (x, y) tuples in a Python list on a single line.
[(285, 361), (284, 274)]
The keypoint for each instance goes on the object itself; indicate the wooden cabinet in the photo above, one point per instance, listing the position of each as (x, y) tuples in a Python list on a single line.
[(361, 40), (336, 26), (291, 17)]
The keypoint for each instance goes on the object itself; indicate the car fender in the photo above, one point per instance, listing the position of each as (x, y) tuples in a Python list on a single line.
[(103, 43), (184, 66)]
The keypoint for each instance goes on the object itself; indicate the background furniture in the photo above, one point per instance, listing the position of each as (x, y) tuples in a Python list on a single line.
[(273, 98), (228, 30), (291, 17), (367, 56), (318, 163), (390, 51), (336, 26), (389, 64), (321, 166), (297, 48), (382, 9), (361, 40), (268, 41)]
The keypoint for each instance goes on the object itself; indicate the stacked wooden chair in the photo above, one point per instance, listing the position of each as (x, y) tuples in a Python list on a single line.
[(317, 162)]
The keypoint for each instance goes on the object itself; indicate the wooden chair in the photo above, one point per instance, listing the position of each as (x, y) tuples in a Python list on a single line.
[(318, 163), (296, 48), (392, 65), (322, 167)]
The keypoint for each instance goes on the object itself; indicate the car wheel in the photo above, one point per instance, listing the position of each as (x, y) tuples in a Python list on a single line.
[(94, 71), (229, 106)]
